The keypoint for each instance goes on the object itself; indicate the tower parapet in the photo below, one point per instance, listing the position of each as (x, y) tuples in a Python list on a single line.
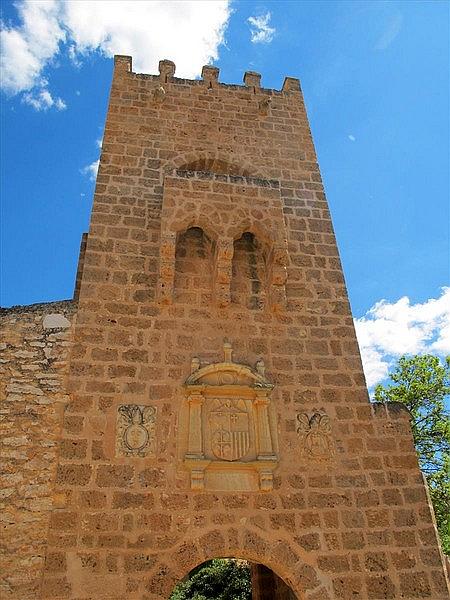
[(209, 77)]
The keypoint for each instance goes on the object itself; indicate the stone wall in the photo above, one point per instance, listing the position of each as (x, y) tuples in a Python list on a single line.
[(34, 343)]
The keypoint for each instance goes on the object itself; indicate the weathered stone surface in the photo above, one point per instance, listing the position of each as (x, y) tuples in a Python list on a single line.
[(32, 394), (209, 228), (55, 321)]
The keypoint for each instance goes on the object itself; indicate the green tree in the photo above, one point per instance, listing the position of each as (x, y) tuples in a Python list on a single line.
[(422, 384), (218, 579)]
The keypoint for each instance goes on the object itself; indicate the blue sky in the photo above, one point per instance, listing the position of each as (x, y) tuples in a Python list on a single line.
[(375, 77)]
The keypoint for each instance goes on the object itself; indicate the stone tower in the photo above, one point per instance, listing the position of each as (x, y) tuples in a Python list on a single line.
[(216, 400)]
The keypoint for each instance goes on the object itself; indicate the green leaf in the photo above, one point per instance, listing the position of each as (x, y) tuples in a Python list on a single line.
[(218, 579)]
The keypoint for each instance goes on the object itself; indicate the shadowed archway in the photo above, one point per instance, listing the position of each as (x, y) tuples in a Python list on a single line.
[(232, 579), (286, 560)]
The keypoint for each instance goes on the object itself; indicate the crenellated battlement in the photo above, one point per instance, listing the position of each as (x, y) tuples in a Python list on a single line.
[(209, 77)]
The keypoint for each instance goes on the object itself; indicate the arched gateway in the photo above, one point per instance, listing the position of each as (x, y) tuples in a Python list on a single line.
[(246, 576), (214, 403)]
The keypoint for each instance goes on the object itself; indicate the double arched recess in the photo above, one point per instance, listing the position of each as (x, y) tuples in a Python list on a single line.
[(223, 236), (208, 270)]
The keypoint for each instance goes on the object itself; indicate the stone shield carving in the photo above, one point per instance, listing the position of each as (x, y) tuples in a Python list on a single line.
[(228, 434), (135, 430), (230, 429), (315, 435)]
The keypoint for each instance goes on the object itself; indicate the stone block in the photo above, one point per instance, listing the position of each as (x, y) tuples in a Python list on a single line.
[(55, 321), (114, 476)]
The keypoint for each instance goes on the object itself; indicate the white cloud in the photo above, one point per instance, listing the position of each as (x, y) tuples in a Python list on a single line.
[(188, 32), (389, 330), (72, 52), (43, 100), (351, 138), (60, 104), (260, 31), (27, 49), (91, 170), (391, 31)]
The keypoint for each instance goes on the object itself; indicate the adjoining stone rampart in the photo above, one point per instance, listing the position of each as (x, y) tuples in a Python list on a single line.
[(34, 344)]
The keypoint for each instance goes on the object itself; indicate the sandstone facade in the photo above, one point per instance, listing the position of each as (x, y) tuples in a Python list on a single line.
[(215, 403)]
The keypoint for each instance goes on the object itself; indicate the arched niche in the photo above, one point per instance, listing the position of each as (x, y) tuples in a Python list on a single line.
[(228, 432), (188, 204), (259, 265), (193, 273)]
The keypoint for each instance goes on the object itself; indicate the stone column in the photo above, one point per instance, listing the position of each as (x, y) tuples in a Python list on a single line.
[(195, 445), (265, 449), (222, 281)]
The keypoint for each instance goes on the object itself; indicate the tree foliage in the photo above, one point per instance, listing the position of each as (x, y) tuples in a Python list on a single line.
[(422, 384), (218, 579)]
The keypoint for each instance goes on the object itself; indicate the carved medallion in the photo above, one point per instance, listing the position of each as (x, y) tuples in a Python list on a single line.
[(315, 435), (135, 430), (226, 378), (230, 429)]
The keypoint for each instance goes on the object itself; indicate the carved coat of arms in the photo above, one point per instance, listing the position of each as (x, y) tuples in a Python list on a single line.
[(135, 430), (315, 435), (230, 429)]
